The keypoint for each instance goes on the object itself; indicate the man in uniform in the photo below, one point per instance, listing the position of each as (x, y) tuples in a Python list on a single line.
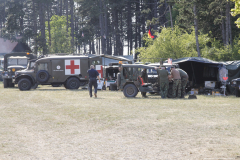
[(184, 80), (93, 75), (145, 80), (176, 82), (163, 81)]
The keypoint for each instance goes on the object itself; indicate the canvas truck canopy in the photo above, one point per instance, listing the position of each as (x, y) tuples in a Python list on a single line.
[(233, 68), (107, 59)]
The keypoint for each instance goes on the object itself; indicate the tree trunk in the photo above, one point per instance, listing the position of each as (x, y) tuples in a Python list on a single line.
[(227, 24), (67, 14), (155, 13), (49, 27), (101, 23), (35, 27), (137, 13), (129, 27), (72, 25), (106, 39), (60, 8), (42, 27), (223, 30), (170, 11), (93, 47), (196, 29)]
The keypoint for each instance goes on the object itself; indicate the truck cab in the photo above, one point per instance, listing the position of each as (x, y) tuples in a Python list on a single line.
[(12, 63)]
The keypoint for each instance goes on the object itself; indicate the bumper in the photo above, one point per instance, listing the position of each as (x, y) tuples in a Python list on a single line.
[(236, 86)]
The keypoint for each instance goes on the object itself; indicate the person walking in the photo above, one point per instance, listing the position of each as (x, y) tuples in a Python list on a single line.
[(163, 81), (93, 75), (184, 80), (144, 76), (176, 82)]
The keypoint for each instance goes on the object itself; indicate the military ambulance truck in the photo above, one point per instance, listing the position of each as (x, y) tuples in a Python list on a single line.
[(70, 71)]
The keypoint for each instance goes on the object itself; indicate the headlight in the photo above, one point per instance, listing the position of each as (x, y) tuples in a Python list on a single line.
[(9, 70), (234, 82)]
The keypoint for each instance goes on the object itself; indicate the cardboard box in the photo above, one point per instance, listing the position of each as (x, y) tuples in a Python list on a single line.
[(194, 91), (210, 84)]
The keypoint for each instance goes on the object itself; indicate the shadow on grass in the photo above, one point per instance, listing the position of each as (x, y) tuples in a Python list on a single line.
[(72, 90)]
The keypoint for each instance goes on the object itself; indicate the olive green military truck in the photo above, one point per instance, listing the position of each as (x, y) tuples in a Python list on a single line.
[(12, 63), (70, 71)]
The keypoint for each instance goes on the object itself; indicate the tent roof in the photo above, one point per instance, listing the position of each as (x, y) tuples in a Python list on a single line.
[(232, 65), (195, 59), (7, 46)]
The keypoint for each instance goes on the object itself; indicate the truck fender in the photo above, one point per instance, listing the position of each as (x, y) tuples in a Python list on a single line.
[(25, 76)]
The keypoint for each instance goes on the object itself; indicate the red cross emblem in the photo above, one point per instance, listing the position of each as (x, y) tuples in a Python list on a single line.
[(72, 67), (225, 78)]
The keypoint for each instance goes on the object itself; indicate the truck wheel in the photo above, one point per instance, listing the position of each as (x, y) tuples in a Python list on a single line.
[(24, 84), (73, 83), (130, 90), (5, 83), (170, 91), (237, 92), (42, 76)]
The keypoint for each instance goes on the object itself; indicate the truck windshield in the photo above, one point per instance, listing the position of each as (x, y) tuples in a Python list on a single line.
[(151, 72), (31, 65)]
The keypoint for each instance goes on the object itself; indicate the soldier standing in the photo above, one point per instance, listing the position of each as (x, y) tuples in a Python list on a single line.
[(163, 81), (93, 75), (184, 80), (145, 80), (176, 82)]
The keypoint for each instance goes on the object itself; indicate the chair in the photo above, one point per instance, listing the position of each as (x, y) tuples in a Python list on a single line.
[(140, 80)]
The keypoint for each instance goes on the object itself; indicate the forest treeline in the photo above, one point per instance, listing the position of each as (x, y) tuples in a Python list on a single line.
[(181, 28)]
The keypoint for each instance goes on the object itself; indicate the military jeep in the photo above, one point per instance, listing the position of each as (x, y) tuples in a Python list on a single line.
[(236, 84), (129, 80)]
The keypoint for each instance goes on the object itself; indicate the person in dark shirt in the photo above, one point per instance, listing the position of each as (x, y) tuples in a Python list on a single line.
[(145, 80), (93, 75)]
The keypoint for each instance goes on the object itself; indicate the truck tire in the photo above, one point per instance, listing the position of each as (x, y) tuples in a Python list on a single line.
[(237, 92), (42, 76), (24, 84), (170, 91), (130, 90), (73, 83), (5, 83)]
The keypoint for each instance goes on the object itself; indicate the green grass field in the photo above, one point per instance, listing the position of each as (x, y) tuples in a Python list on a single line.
[(55, 123)]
